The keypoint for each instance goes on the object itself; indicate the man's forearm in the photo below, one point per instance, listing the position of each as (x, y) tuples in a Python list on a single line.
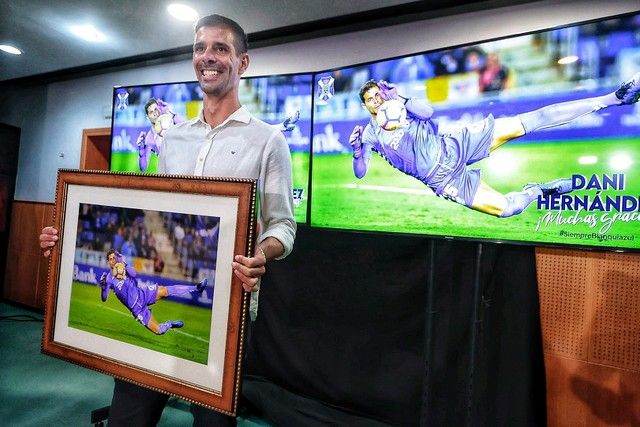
[(271, 247)]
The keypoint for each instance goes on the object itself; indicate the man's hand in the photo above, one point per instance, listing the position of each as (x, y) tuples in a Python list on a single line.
[(387, 90), (48, 239), (250, 270), (355, 140), (103, 279)]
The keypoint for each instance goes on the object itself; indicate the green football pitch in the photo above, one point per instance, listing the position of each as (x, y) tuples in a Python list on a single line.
[(387, 200), (113, 320)]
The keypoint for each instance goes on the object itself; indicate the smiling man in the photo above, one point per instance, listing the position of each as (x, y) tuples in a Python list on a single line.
[(225, 140)]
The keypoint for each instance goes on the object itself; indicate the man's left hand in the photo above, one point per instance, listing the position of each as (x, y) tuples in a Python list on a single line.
[(249, 270)]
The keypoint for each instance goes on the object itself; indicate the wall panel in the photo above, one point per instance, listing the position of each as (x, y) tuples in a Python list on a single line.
[(26, 273), (591, 336)]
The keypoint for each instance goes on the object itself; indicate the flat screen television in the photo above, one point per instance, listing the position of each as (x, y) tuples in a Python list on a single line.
[(419, 177), (283, 101)]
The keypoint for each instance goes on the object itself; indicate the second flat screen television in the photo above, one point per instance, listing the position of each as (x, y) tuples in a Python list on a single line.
[(437, 171)]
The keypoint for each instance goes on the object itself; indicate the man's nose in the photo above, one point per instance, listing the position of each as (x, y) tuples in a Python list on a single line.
[(210, 55)]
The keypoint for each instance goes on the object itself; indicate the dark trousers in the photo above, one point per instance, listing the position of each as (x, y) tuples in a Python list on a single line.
[(133, 405)]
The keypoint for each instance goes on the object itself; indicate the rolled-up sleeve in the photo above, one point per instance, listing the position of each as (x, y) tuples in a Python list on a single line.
[(276, 194)]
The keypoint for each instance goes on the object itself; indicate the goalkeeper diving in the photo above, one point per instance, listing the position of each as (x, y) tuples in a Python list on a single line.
[(441, 160), (137, 298)]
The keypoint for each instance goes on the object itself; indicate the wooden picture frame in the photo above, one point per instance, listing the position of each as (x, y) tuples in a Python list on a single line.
[(199, 361)]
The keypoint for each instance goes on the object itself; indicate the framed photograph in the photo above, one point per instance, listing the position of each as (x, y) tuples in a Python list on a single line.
[(141, 286)]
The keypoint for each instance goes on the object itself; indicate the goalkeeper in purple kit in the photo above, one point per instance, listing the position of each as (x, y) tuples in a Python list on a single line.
[(161, 118), (441, 160), (122, 280)]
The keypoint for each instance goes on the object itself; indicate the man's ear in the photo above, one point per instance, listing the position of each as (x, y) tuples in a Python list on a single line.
[(244, 63)]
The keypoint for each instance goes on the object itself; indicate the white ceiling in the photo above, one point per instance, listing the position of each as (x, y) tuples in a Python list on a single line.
[(135, 28)]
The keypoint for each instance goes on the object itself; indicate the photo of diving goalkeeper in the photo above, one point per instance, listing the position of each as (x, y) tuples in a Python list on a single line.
[(157, 267), (137, 298), (441, 160)]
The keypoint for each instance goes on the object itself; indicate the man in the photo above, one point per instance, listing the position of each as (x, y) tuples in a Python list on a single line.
[(224, 140), (440, 160), (122, 280)]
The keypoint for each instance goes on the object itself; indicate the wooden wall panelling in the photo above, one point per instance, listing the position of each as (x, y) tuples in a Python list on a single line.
[(589, 309), (615, 334), (96, 149), (26, 273)]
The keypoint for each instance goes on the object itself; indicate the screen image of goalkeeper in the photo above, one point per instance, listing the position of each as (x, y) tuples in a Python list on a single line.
[(441, 160), (121, 279)]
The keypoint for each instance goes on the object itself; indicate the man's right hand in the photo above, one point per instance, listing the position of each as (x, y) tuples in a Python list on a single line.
[(355, 140), (48, 239), (103, 279)]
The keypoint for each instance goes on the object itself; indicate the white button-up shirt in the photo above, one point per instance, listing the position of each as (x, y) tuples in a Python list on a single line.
[(240, 147)]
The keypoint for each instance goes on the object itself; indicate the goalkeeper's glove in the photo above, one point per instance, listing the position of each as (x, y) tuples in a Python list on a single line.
[(103, 280), (290, 122), (355, 140), (163, 107), (387, 90), (120, 258), (140, 140)]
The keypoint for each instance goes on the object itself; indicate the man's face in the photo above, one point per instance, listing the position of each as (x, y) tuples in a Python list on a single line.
[(111, 260), (153, 112), (372, 100), (217, 65)]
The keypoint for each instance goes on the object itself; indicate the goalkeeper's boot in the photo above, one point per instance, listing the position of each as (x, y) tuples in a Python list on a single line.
[(290, 122), (557, 186), (202, 285), (629, 91), (176, 323), (169, 324)]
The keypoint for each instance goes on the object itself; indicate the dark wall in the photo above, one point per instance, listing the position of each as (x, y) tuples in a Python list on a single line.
[(355, 329), (9, 148)]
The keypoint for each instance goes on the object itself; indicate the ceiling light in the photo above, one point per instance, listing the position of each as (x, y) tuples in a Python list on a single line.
[(88, 32), (567, 60), (10, 49), (182, 12)]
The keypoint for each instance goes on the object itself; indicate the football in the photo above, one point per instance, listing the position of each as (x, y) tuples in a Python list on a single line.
[(119, 271), (392, 115), (164, 122)]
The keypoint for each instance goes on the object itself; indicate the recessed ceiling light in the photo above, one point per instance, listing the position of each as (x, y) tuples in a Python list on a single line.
[(88, 32), (10, 49), (182, 12)]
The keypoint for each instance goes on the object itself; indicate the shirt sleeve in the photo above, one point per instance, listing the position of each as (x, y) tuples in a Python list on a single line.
[(276, 194)]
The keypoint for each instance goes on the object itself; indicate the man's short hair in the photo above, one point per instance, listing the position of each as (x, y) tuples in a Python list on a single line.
[(151, 101), (365, 87), (239, 36), (111, 251)]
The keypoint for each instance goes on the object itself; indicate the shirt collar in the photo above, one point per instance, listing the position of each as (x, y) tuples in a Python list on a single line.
[(241, 115)]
